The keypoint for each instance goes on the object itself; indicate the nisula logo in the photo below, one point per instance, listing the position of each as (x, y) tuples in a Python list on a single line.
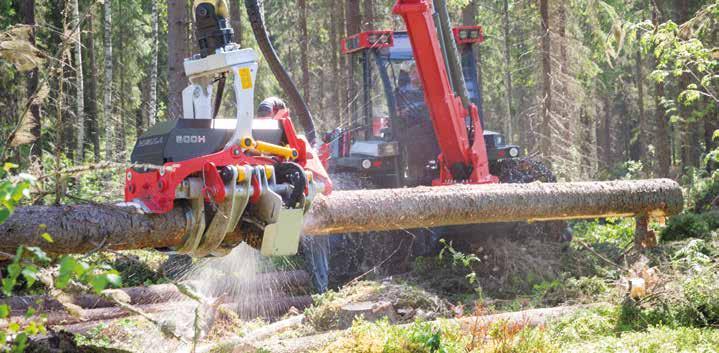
[(191, 139)]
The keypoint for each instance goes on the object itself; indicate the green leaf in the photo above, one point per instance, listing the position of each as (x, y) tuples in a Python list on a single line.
[(30, 275), (114, 279), (4, 214), (47, 237), (20, 343), (39, 254), (4, 311), (30, 312), (68, 268), (98, 283)]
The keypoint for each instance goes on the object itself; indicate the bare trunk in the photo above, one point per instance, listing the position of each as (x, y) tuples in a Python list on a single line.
[(121, 132), (93, 126), (79, 84), (152, 101), (177, 45), (108, 104), (304, 50), (508, 71), (26, 10), (335, 65), (662, 138), (643, 135), (368, 15), (159, 293), (354, 21), (82, 228), (236, 20), (545, 130)]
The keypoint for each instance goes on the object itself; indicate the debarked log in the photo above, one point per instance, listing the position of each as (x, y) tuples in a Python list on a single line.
[(83, 228)]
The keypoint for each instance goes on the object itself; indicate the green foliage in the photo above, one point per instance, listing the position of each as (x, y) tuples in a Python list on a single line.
[(615, 231), (459, 258), (690, 225), (582, 289)]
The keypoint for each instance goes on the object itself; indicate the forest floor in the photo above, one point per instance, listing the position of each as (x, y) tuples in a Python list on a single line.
[(610, 299)]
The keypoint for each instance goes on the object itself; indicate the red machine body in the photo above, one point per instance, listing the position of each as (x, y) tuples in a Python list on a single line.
[(156, 188), (460, 161)]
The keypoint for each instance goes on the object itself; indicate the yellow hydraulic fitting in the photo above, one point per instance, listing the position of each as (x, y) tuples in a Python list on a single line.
[(310, 176), (248, 142), (241, 175), (276, 150), (268, 171)]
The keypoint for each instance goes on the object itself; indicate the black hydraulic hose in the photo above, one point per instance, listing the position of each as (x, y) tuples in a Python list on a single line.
[(255, 14)]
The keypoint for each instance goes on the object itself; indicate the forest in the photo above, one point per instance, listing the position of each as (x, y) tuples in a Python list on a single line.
[(616, 101)]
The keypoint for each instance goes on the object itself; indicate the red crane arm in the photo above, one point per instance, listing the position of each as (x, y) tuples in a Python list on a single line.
[(459, 162)]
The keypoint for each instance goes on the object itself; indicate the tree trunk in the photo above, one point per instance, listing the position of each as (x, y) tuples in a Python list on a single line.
[(121, 132), (643, 136), (82, 228), (368, 15), (159, 293), (79, 82), (335, 65), (546, 130), (236, 20), (342, 66), (508, 69), (177, 43), (354, 22), (107, 104), (662, 138), (91, 96), (304, 50), (26, 10), (152, 101)]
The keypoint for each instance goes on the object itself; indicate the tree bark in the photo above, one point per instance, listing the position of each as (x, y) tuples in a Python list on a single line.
[(354, 22), (79, 82), (159, 293), (662, 138), (177, 44), (368, 14), (107, 103), (83, 228), (152, 101), (643, 140), (304, 50), (91, 96), (121, 131), (546, 130), (27, 13), (236, 20), (508, 69)]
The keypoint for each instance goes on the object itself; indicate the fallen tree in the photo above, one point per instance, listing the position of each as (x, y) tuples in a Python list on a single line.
[(84, 228), (145, 295)]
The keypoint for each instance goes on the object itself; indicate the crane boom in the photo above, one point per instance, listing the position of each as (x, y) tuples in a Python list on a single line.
[(460, 160)]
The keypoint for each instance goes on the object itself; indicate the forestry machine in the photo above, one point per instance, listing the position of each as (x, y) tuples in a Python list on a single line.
[(251, 175), (427, 128)]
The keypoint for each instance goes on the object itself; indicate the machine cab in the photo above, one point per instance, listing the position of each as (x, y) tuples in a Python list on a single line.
[(391, 138)]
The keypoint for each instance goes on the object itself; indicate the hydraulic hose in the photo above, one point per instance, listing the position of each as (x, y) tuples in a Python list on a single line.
[(256, 16)]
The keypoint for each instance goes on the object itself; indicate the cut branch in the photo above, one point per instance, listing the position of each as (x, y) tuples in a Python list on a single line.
[(82, 228)]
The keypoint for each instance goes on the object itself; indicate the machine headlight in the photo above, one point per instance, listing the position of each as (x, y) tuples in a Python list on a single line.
[(387, 150), (366, 164), (513, 152)]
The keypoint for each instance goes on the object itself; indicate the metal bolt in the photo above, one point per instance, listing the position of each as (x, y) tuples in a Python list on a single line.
[(129, 175), (162, 171), (236, 151)]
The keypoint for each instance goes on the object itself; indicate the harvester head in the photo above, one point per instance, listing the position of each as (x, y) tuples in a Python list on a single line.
[(242, 173)]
